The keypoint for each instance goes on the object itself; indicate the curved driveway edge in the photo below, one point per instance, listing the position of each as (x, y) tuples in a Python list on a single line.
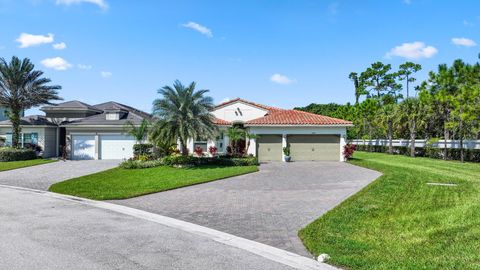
[(269, 206), (43, 176), (173, 243)]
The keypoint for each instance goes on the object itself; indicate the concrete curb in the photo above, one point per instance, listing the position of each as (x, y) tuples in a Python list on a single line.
[(265, 251)]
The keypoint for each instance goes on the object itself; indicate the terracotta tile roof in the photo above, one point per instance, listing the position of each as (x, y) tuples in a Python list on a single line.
[(221, 122), (294, 117), (265, 107)]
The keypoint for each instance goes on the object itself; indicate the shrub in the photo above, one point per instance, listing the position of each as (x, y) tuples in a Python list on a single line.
[(471, 155), (14, 154), (199, 151), (348, 151), (286, 151), (137, 164), (213, 150), (142, 149), (219, 161), (178, 160)]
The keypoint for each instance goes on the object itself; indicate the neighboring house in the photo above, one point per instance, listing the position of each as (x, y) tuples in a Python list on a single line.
[(4, 112), (310, 136), (88, 132)]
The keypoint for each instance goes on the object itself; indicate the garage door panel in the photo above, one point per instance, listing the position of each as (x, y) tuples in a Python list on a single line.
[(116, 146), (314, 147), (83, 147), (269, 148)]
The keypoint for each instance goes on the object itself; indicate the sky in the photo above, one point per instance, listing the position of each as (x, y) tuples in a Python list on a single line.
[(275, 52)]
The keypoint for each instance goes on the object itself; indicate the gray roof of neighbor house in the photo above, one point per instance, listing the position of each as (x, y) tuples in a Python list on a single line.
[(72, 105), (127, 114), (30, 120)]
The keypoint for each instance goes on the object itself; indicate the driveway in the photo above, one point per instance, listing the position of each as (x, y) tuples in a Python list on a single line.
[(43, 176), (270, 206), (43, 230)]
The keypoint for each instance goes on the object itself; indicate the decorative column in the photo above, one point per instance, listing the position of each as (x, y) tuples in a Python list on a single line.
[(284, 144), (343, 142)]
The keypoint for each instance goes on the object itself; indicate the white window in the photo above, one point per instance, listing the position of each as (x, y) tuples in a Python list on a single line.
[(113, 116)]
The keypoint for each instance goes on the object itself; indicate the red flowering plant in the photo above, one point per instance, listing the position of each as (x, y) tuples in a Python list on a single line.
[(199, 151), (348, 151), (213, 150)]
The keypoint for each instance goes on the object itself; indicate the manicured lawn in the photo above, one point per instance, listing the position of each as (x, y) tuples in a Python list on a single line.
[(122, 183), (10, 165), (400, 222)]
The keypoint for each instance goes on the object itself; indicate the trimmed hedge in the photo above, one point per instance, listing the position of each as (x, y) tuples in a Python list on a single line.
[(142, 149), (470, 155), (138, 164), (14, 154), (220, 161)]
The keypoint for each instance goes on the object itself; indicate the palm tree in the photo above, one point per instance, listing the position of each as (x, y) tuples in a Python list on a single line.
[(184, 113), (139, 132), (235, 134), (21, 88)]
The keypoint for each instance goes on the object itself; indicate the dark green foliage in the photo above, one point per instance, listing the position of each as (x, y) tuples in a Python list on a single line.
[(220, 161), (142, 149), (471, 155), (14, 154)]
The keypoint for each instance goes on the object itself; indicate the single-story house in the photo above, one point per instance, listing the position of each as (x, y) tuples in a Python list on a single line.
[(97, 131), (87, 132), (310, 136)]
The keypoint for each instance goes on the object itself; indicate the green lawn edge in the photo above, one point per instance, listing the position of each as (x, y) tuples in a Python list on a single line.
[(399, 222), (68, 186), (13, 165)]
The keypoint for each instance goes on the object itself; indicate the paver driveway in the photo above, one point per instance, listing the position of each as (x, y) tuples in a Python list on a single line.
[(43, 176), (270, 206)]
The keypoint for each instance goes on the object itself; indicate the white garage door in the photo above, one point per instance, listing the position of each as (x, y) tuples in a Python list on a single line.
[(83, 147), (116, 146)]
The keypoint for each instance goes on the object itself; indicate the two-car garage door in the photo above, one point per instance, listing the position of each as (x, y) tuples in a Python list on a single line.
[(111, 146), (302, 147)]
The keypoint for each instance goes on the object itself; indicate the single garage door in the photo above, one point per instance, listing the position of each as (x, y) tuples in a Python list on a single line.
[(314, 147), (116, 146), (83, 147), (269, 148)]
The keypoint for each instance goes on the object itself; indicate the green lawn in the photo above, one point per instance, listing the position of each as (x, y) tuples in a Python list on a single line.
[(123, 183), (400, 222), (10, 165)]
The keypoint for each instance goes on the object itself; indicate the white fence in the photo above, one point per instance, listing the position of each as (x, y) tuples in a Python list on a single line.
[(467, 144)]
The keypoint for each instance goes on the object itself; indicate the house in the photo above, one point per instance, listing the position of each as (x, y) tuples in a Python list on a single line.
[(97, 131), (88, 132), (310, 136)]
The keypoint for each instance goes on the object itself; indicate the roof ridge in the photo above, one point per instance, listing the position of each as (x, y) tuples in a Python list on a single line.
[(266, 107)]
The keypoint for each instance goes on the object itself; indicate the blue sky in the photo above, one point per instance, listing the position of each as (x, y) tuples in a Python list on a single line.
[(277, 52)]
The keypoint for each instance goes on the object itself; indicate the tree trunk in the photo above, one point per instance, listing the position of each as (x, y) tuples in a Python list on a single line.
[(445, 138), (390, 135), (183, 147), (413, 133), (14, 116), (462, 153)]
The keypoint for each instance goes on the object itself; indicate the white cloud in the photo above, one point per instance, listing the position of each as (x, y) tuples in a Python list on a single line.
[(408, 2), (199, 28), (56, 63), (28, 40), (225, 100), (464, 42), (100, 3), (106, 74), (281, 79), (414, 50), (59, 46), (468, 23), (84, 67)]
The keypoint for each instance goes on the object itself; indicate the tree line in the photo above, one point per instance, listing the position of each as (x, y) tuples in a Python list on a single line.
[(446, 106)]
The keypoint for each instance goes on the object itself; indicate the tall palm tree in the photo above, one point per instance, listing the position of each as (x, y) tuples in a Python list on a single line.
[(139, 132), (184, 113), (21, 88)]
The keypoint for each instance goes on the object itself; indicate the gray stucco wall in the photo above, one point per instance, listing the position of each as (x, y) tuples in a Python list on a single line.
[(50, 149)]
